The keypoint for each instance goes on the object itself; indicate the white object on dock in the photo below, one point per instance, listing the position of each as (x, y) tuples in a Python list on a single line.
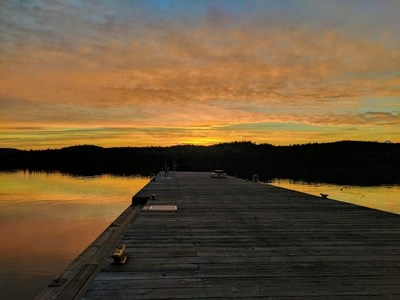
[(160, 207)]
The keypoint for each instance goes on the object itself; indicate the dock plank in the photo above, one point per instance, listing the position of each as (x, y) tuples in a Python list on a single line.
[(234, 239)]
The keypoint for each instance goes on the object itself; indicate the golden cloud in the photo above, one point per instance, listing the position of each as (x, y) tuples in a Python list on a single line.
[(213, 72)]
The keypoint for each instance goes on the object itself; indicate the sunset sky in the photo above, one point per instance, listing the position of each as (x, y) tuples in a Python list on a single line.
[(141, 73)]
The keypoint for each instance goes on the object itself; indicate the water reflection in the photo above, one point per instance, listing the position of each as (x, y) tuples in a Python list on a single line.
[(383, 197), (46, 220)]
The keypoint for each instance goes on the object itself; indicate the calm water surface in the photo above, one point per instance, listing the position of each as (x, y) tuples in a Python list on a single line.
[(47, 219), (383, 197)]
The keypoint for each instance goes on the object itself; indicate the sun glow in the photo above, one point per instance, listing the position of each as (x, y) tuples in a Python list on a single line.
[(235, 72)]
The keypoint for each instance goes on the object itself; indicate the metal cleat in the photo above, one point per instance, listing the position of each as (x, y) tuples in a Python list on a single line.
[(119, 255)]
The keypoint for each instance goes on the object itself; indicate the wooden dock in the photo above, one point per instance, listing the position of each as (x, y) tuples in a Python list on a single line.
[(233, 239)]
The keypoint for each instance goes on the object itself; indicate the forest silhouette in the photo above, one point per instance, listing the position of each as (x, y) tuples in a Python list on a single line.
[(344, 162)]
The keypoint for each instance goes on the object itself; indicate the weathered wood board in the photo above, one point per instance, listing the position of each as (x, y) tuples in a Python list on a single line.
[(233, 239)]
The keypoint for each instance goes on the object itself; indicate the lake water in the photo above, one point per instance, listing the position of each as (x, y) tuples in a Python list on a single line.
[(47, 219), (382, 197)]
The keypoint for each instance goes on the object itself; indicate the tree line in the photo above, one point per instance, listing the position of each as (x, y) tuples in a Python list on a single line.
[(345, 162)]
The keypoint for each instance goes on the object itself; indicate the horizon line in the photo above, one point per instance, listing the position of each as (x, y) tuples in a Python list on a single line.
[(197, 145)]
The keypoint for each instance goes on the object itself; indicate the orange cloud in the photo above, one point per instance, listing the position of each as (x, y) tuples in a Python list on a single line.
[(212, 72)]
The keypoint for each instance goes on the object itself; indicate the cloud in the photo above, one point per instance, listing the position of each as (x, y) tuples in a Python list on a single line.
[(301, 69), (140, 65)]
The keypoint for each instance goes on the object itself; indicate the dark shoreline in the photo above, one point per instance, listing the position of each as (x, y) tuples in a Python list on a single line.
[(345, 162)]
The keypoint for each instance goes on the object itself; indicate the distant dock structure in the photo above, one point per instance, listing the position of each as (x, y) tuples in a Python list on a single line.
[(193, 236)]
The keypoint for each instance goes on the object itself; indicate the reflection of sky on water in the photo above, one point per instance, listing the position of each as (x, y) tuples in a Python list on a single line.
[(386, 198), (46, 220)]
